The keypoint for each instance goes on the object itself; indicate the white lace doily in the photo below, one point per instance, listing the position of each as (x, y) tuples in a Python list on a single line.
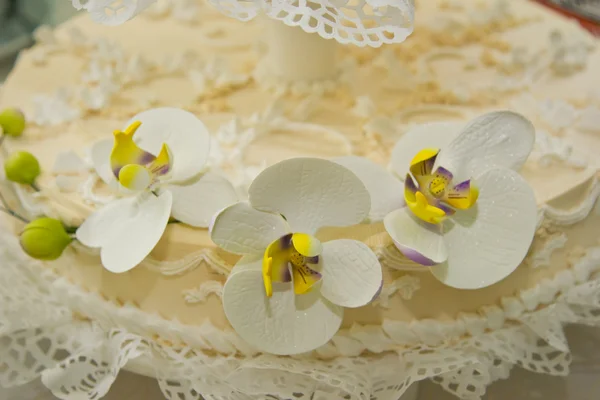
[(358, 22), (43, 332)]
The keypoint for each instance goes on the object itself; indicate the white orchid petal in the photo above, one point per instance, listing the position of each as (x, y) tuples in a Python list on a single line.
[(311, 193), (501, 139), (351, 273), (385, 190), (130, 245), (283, 324), (196, 203), (187, 138), (419, 241), (435, 135), (488, 242), (127, 230), (241, 229), (100, 155), (99, 227)]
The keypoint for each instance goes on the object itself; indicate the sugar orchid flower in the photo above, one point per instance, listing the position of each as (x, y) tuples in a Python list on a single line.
[(469, 215), (286, 294), (158, 161)]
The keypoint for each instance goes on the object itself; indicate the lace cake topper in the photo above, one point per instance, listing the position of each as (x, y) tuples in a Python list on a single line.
[(359, 22)]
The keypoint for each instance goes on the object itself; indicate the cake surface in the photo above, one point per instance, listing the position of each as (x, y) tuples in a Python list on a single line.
[(462, 61)]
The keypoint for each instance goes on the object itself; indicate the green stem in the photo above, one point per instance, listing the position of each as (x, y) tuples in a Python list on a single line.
[(35, 187), (5, 208), (14, 214)]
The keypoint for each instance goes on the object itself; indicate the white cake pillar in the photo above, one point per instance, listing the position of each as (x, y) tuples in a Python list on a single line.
[(293, 55)]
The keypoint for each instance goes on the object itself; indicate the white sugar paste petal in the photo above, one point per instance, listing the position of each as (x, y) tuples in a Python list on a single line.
[(196, 203), (127, 230), (500, 139), (417, 240), (100, 155), (283, 324), (435, 135), (487, 242), (130, 245), (186, 136), (311, 193), (241, 229), (351, 273), (385, 190)]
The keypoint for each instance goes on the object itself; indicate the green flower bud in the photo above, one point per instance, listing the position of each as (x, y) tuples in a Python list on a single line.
[(12, 122), (45, 239), (22, 167)]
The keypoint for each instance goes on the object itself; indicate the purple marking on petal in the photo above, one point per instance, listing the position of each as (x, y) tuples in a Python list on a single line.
[(460, 191), (410, 185), (116, 171), (147, 158), (414, 255), (376, 295), (424, 167), (312, 260), (445, 208), (444, 173), (286, 273), (285, 242), (163, 170), (314, 273)]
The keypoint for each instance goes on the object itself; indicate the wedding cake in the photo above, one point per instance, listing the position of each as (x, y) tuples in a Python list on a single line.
[(297, 199)]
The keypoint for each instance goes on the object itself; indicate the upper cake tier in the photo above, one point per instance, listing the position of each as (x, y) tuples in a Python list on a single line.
[(84, 81)]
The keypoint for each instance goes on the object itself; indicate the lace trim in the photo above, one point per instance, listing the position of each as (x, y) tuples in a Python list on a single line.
[(43, 332)]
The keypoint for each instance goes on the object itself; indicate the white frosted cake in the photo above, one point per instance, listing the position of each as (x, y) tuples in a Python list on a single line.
[(299, 217)]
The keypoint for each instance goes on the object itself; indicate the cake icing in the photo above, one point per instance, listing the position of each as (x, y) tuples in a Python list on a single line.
[(468, 62)]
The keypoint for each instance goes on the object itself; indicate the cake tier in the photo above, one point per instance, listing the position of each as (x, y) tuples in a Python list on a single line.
[(462, 61)]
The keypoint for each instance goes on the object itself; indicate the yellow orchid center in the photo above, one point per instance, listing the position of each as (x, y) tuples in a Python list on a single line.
[(292, 258), (135, 168), (431, 195)]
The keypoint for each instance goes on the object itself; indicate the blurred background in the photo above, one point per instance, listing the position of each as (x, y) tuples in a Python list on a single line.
[(18, 20)]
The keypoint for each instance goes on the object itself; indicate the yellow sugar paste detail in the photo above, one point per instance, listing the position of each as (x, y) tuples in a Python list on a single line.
[(421, 156), (163, 159), (437, 186), (125, 151), (303, 279), (423, 210), (466, 203), (266, 273), (135, 177), (274, 260), (306, 245)]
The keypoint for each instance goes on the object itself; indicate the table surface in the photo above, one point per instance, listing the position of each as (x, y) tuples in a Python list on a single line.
[(582, 384)]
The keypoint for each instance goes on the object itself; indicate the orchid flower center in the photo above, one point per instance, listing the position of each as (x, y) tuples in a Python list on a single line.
[(292, 258), (432, 195), (134, 168)]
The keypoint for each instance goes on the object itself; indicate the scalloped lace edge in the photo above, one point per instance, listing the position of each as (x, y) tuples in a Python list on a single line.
[(463, 356)]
